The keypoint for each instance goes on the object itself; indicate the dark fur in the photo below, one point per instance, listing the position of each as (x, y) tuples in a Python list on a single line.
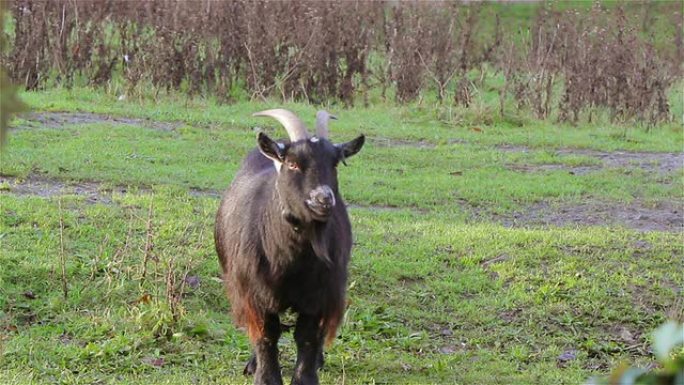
[(277, 255)]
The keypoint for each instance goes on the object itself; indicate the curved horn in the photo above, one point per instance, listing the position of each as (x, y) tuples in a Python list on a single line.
[(322, 119), (294, 127)]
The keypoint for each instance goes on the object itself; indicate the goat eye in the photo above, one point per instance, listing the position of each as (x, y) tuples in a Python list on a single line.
[(293, 166)]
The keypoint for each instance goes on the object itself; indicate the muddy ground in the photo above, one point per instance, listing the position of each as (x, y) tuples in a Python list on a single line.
[(92, 191), (63, 119), (661, 162), (639, 214)]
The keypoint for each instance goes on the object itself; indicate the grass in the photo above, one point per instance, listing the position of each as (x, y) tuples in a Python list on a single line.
[(437, 294)]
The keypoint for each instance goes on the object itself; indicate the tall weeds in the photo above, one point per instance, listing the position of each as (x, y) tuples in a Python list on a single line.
[(564, 64)]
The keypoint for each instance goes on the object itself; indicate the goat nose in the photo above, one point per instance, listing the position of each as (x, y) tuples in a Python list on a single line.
[(323, 199), (324, 196)]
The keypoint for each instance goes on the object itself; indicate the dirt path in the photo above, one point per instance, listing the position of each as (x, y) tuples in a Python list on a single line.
[(649, 161), (639, 215), (661, 162), (379, 141), (93, 191), (667, 215), (63, 119)]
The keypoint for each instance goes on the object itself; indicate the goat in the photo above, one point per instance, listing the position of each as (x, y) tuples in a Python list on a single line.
[(283, 238)]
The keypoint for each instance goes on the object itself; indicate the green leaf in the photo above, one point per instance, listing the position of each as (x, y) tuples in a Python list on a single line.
[(630, 376), (666, 338)]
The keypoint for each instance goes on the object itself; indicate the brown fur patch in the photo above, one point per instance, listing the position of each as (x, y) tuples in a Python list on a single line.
[(253, 321), (329, 325)]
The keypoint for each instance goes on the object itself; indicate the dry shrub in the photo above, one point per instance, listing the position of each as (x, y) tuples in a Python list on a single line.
[(611, 66), (436, 41), (567, 64), (600, 59), (407, 34)]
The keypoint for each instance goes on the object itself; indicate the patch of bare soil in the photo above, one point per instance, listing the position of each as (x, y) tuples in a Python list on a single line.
[(379, 141), (48, 188), (661, 162), (574, 170), (381, 208), (388, 142), (639, 215), (62, 119), (93, 191)]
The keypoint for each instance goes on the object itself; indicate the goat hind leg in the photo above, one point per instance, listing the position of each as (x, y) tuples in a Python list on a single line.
[(320, 359), (250, 367)]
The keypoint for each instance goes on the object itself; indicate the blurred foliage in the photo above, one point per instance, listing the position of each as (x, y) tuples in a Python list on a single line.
[(667, 341), (9, 102)]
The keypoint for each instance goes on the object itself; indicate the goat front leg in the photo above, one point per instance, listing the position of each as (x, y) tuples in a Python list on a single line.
[(266, 353), (309, 350)]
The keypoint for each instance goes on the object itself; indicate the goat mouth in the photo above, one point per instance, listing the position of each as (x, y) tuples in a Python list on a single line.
[(320, 211)]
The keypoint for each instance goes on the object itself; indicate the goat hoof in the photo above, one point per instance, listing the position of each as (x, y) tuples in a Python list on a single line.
[(305, 380), (250, 368)]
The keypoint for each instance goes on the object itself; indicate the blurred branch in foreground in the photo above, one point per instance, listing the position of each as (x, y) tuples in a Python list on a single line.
[(669, 352), (10, 103)]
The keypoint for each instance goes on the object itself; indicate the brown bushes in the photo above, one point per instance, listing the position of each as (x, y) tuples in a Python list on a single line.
[(599, 59), (565, 64)]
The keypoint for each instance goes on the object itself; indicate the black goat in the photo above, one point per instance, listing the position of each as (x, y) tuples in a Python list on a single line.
[(283, 238)]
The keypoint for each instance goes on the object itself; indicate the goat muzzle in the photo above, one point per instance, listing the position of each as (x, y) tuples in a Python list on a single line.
[(321, 201)]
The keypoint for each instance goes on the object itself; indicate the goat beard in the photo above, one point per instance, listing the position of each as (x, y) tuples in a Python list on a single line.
[(320, 244), (317, 233)]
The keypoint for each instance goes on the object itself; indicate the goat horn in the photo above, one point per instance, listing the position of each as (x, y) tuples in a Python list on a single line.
[(294, 127), (322, 119)]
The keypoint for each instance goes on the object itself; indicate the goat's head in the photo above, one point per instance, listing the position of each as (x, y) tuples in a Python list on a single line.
[(307, 166)]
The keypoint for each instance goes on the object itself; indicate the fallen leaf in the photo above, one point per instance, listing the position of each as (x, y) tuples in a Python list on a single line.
[(192, 281), (156, 362), (65, 338), (145, 298), (626, 335), (449, 349), (499, 258), (567, 356)]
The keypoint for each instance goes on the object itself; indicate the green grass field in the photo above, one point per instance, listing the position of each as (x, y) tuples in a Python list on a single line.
[(500, 253)]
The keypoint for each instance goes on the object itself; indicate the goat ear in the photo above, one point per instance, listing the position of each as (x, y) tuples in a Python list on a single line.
[(270, 148), (350, 148)]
